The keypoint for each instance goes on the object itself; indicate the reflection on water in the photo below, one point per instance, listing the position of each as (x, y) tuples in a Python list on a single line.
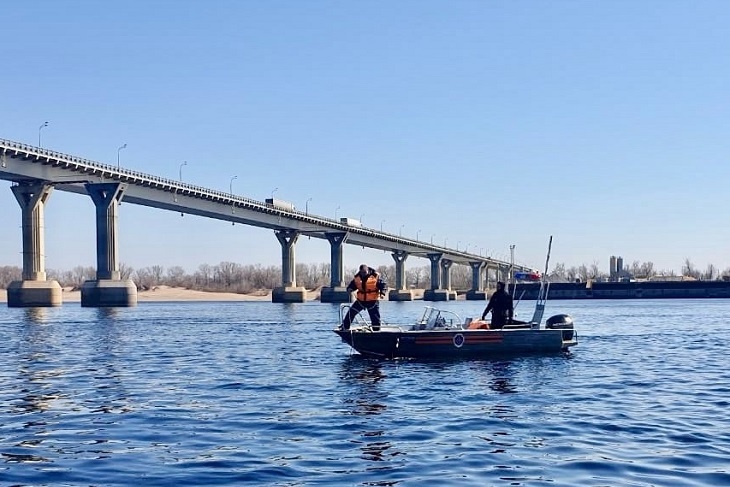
[(35, 315), (363, 375), (365, 378)]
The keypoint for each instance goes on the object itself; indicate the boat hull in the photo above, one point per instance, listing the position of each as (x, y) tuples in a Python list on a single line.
[(396, 343)]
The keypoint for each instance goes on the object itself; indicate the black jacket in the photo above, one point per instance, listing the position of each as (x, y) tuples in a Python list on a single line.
[(500, 304)]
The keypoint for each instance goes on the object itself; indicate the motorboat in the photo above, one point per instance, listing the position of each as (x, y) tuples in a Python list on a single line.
[(442, 333)]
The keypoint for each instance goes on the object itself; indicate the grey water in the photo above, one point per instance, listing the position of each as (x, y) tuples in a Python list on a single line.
[(256, 393)]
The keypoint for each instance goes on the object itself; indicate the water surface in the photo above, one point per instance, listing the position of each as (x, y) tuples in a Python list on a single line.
[(252, 393)]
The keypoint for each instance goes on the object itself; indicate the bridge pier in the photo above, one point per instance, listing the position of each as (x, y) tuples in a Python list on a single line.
[(476, 293), (34, 290), (435, 293), (288, 292), (108, 289), (336, 292), (400, 293)]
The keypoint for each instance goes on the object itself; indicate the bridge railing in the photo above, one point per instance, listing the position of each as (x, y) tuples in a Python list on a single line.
[(175, 186)]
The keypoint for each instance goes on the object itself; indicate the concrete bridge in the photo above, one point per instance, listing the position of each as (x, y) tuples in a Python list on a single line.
[(35, 172)]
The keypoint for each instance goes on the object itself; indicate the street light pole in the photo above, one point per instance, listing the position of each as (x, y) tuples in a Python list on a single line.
[(336, 210), (124, 146), (44, 124), (230, 185), (185, 163), (417, 234), (381, 225), (400, 230), (274, 191), (306, 206)]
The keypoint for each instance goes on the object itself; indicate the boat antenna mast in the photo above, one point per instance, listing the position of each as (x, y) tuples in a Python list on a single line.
[(511, 280), (543, 293)]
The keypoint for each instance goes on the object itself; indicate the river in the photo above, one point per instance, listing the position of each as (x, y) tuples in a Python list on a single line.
[(257, 393)]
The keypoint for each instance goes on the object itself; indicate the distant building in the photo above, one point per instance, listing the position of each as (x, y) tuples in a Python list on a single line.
[(616, 270), (612, 268)]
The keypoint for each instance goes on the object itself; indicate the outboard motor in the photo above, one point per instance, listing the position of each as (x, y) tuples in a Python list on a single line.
[(561, 322)]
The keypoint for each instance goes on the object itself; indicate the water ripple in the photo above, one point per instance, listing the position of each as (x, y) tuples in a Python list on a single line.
[(264, 394)]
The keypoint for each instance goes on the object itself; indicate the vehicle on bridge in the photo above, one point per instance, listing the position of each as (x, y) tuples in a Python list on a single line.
[(280, 204), (528, 276), (352, 222)]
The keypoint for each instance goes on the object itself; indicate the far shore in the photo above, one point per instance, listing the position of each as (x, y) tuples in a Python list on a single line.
[(167, 293)]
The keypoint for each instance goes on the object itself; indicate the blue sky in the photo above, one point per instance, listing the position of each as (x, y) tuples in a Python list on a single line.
[(472, 123)]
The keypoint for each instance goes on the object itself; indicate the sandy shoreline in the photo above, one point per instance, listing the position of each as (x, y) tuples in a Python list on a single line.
[(166, 293)]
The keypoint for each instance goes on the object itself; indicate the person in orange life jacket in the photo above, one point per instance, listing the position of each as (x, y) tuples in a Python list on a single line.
[(369, 289), (500, 304)]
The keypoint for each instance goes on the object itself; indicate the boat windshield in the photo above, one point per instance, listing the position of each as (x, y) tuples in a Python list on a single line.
[(438, 318)]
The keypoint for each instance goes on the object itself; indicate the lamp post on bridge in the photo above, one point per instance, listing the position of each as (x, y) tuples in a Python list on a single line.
[(381, 225), (336, 210), (361, 215), (184, 163), (44, 124), (123, 146), (418, 232), (400, 230), (274, 191), (230, 185), (432, 235), (306, 206)]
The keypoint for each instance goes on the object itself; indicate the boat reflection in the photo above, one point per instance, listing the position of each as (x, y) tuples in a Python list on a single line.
[(366, 398), (363, 375)]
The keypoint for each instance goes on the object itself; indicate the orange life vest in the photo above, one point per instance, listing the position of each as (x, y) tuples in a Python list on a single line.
[(367, 291)]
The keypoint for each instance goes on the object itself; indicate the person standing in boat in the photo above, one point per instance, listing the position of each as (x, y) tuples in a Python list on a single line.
[(500, 304), (370, 288)]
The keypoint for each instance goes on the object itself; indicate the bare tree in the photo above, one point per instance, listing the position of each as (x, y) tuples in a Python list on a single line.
[(594, 271), (175, 276), (558, 274), (689, 270), (125, 271), (156, 273), (647, 269), (9, 274)]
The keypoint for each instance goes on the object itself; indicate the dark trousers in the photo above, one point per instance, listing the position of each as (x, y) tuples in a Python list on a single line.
[(373, 310), (499, 319)]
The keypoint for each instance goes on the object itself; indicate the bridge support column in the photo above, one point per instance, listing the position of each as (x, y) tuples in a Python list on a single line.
[(288, 292), (108, 289), (446, 279), (476, 293), (400, 293), (337, 291), (33, 290), (435, 293)]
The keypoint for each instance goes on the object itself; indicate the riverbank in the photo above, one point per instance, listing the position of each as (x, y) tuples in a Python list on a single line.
[(167, 293)]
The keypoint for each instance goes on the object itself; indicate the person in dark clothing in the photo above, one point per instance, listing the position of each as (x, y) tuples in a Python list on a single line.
[(500, 304), (369, 289)]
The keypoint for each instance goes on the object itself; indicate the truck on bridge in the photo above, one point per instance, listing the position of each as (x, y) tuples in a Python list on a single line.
[(352, 222), (280, 204)]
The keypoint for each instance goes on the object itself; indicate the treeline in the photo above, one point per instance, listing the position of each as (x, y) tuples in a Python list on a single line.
[(234, 277), (239, 278)]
